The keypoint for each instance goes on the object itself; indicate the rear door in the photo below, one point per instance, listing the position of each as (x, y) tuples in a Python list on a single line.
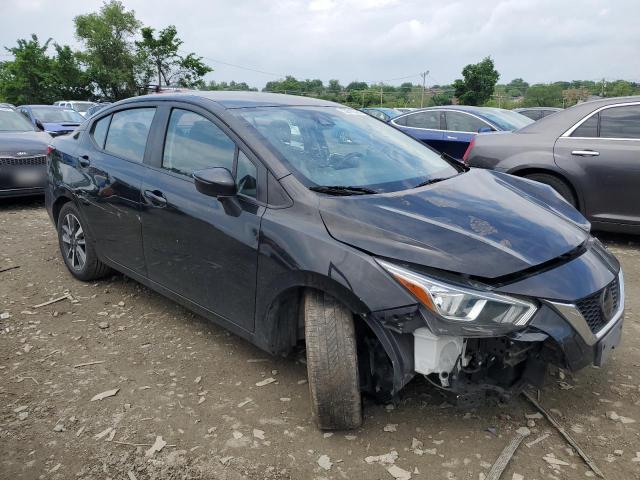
[(603, 152), (111, 159), (460, 129), (425, 126), (194, 245)]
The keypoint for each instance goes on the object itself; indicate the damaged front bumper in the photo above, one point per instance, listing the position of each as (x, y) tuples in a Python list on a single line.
[(570, 335)]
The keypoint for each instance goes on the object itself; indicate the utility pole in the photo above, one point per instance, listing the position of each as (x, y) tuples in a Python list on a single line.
[(604, 84), (424, 81), (380, 94)]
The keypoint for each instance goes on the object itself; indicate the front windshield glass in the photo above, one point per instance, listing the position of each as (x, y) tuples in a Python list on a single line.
[(12, 121), (56, 115), (334, 146), (506, 119), (82, 106)]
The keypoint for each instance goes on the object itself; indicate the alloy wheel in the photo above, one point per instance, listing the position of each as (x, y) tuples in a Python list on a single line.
[(73, 242)]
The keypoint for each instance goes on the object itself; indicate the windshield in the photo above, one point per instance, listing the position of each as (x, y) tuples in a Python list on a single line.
[(341, 146), (12, 121), (506, 119), (82, 106), (56, 115)]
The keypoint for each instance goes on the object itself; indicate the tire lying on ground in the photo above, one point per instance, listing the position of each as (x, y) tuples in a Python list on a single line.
[(76, 246), (332, 362)]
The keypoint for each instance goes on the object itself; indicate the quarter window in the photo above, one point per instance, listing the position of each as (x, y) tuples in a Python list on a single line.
[(589, 128), (195, 143), (429, 119), (461, 122), (99, 132), (620, 122), (128, 132), (246, 176)]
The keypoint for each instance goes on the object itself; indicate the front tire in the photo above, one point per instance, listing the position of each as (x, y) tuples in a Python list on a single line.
[(332, 362), (76, 246)]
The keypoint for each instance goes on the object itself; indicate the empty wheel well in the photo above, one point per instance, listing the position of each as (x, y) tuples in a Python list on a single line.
[(530, 171), (57, 206)]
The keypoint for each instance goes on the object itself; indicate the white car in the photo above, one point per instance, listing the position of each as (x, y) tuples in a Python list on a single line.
[(79, 106)]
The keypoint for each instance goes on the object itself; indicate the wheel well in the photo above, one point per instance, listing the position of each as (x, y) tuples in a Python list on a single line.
[(57, 206), (530, 171)]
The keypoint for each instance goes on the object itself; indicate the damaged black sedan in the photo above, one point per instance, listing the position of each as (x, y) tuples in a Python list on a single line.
[(299, 222)]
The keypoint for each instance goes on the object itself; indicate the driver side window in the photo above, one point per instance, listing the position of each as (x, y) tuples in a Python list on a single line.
[(194, 143)]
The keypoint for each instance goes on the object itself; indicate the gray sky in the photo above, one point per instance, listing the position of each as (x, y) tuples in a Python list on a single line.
[(374, 40)]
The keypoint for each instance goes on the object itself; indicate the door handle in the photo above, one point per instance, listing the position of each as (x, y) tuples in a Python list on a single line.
[(84, 161), (585, 153), (449, 137), (156, 198)]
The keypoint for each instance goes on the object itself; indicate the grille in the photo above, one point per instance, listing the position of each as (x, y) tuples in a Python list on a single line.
[(20, 161), (591, 307)]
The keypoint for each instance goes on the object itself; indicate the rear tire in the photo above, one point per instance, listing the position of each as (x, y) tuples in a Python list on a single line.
[(76, 246), (557, 184), (332, 362)]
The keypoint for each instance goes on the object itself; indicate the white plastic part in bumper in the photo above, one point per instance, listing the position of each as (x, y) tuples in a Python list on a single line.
[(434, 354)]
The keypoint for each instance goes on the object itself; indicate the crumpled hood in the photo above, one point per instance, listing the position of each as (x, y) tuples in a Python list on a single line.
[(480, 223), (30, 142)]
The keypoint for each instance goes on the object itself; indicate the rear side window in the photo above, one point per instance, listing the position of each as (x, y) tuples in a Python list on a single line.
[(99, 132), (620, 122), (589, 128), (195, 143), (429, 120), (461, 122), (128, 132)]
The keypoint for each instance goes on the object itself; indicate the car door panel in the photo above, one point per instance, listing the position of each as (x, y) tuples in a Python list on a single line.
[(111, 200), (603, 153), (194, 245), (424, 126)]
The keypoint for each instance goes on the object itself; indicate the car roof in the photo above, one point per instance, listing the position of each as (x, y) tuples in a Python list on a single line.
[(524, 109), (229, 100), (561, 121), (50, 107)]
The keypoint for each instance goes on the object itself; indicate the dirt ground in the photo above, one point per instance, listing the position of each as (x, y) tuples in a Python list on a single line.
[(194, 384)]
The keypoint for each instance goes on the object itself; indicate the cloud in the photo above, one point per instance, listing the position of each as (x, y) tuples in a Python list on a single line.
[(370, 40)]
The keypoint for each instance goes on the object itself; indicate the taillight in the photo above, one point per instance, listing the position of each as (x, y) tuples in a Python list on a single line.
[(50, 149), (468, 150)]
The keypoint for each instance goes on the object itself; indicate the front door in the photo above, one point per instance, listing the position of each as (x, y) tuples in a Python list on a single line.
[(192, 244), (603, 153), (424, 126), (460, 129)]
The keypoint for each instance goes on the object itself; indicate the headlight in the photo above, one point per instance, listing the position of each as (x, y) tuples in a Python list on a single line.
[(463, 311)]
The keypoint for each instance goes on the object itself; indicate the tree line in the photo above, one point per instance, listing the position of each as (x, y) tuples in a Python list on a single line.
[(119, 58)]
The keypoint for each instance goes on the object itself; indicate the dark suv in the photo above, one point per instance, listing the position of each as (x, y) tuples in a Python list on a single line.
[(293, 221)]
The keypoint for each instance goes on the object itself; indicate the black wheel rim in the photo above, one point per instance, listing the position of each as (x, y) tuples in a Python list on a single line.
[(74, 245)]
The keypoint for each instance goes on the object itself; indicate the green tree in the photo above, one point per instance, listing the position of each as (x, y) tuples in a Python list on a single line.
[(478, 83), (162, 53), (70, 82), (27, 78), (516, 87), (620, 88), (334, 87), (541, 95), (112, 63), (289, 85)]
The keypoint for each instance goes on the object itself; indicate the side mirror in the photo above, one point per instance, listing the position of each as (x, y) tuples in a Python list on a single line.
[(485, 129), (39, 125), (215, 182)]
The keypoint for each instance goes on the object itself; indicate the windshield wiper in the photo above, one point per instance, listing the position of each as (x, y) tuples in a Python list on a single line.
[(432, 180), (342, 190)]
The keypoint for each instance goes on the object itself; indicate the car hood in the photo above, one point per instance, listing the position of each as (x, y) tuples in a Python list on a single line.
[(479, 223), (30, 142)]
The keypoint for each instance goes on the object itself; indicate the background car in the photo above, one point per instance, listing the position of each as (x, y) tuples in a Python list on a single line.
[(53, 120), (96, 108), (450, 129), (381, 113), (536, 113), (23, 151), (7, 105), (589, 153), (78, 105)]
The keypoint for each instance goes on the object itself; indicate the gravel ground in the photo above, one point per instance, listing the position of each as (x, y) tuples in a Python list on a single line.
[(193, 384)]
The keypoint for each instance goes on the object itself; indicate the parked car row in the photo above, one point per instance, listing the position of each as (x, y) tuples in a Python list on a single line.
[(290, 219)]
